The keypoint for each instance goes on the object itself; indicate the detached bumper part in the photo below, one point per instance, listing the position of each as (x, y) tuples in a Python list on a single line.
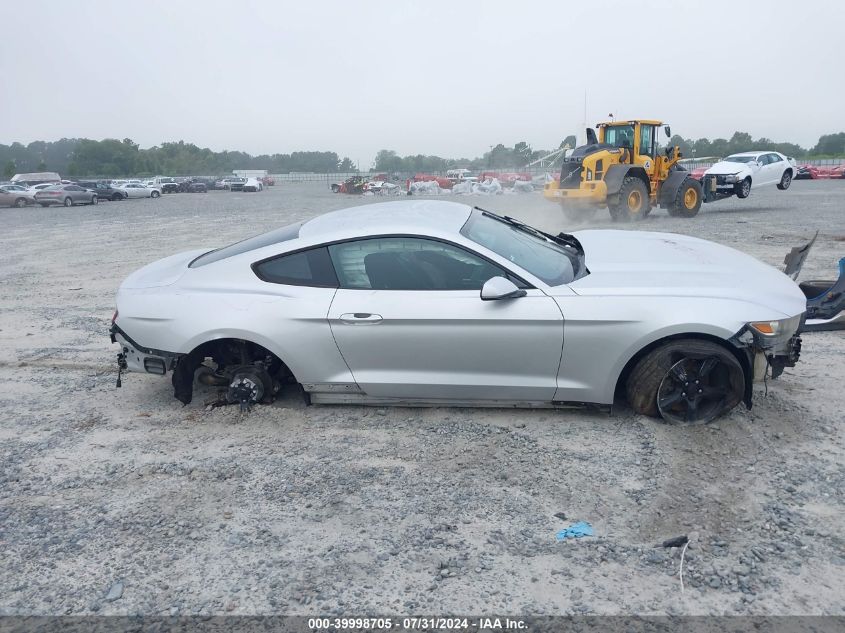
[(134, 357), (825, 306), (789, 358)]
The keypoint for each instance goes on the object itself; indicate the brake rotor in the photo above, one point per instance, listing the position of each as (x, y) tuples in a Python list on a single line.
[(248, 386)]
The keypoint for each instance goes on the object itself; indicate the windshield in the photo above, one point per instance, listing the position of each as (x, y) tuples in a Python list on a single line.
[(619, 136), (740, 159), (251, 243), (552, 262)]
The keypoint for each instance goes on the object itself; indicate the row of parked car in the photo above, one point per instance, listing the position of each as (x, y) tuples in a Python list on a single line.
[(69, 193)]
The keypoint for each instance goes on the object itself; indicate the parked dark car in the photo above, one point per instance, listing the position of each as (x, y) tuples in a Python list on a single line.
[(103, 189), (197, 186)]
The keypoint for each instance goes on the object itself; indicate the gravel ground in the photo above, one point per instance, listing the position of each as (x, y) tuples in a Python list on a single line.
[(121, 501)]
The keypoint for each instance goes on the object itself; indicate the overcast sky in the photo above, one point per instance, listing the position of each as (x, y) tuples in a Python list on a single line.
[(429, 77)]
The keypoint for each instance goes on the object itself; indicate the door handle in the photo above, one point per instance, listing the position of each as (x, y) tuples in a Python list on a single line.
[(360, 318)]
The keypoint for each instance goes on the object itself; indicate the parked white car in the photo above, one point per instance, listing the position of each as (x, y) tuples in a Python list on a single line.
[(253, 184), (740, 173), (137, 190), (439, 303)]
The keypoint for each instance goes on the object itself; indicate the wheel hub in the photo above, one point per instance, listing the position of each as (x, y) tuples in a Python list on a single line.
[(693, 391)]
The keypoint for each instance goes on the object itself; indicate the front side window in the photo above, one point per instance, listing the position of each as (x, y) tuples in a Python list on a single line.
[(409, 263), (306, 268)]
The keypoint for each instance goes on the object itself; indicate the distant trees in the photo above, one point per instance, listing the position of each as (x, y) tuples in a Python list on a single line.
[(743, 141), (112, 157), (831, 144), (388, 160)]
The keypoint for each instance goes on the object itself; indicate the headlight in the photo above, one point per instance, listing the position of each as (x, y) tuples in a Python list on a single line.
[(776, 329), (730, 178)]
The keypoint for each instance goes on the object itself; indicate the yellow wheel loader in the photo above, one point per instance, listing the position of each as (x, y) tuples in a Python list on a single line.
[(623, 170)]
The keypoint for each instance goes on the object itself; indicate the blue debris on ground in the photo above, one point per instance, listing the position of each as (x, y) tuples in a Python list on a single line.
[(576, 530)]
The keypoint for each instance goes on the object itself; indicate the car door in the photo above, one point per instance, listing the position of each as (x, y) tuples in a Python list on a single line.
[(6, 198), (776, 167), (75, 193), (410, 323), (764, 175)]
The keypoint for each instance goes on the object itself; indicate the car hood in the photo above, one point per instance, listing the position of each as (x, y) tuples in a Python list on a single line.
[(724, 167), (162, 272), (667, 264)]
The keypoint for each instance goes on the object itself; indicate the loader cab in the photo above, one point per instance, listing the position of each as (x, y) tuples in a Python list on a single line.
[(638, 137)]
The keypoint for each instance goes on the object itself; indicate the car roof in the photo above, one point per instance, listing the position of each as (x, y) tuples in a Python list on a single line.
[(418, 216), (755, 153)]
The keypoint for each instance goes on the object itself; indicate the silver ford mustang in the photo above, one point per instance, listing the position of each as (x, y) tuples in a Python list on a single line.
[(439, 303)]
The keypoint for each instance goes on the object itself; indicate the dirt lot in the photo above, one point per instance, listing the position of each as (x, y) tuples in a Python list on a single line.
[(122, 501)]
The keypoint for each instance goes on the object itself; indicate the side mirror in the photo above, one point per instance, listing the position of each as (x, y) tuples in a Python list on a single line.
[(497, 288), (668, 131)]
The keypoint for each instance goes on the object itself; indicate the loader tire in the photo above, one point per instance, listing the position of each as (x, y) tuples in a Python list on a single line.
[(721, 386), (687, 202), (632, 202)]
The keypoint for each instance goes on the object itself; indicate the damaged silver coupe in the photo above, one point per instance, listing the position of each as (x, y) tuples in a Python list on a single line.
[(439, 303)]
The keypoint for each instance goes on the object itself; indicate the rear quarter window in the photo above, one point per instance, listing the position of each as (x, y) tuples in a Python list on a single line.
[(306, 268)]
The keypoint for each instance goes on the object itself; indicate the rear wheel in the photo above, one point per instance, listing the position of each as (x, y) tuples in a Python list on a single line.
[(20, 203), (686, 381), (154, 194), (94, 199), (116, 197), (687, 200), (632, 202), (68, 202), (743, 189), (785, 180)]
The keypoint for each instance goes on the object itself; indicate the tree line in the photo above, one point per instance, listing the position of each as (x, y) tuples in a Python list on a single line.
[(521, 154), (829, 145), (111, 158), (114, 158)]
